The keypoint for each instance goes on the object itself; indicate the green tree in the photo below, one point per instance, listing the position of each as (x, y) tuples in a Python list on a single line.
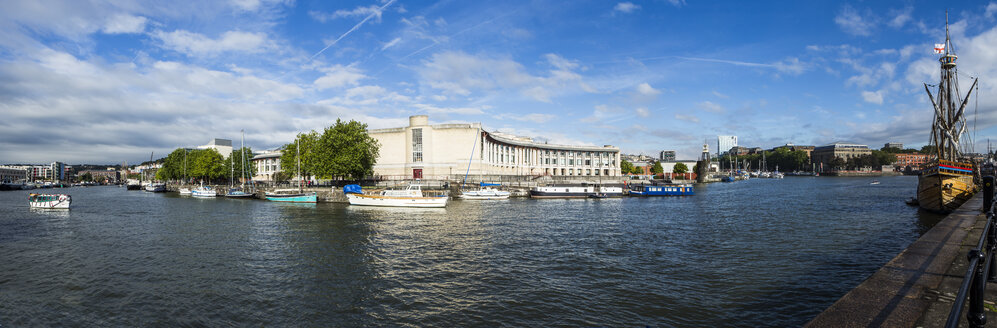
[(235, 162), (892, 150), (206, 164), (837, 163), (85, 177), (303, 146), (929, 150), (345, 150), (657, 169), (626, 167), (173, 166), (680, 168)]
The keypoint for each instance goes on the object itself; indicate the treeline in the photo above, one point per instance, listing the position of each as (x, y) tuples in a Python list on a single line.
[(341, 151), (787, 160), (205, 164)]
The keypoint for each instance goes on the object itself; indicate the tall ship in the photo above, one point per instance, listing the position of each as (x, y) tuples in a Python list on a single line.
[(951, 177)]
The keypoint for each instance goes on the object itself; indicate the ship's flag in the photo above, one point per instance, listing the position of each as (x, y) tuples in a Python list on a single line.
[(939, 48)]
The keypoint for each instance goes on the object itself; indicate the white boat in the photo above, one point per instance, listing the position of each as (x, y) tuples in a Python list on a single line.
[(54, 201), (203, 191), (485, 193), (408, 197), (155, 187), (292, 196), (574, 191), (184, 191)]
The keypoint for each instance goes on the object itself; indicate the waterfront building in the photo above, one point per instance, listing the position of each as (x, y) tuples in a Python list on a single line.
[(667, 155), (11, 174), (824, 154), (913, 161), (267, 164), (644, 166), (738, 151), (421, 150), (111, 176), (725, 143), (897, 145), (223, 146), (57, 171)]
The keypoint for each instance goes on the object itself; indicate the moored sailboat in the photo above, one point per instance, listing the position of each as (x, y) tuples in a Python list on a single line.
[(950, 179)]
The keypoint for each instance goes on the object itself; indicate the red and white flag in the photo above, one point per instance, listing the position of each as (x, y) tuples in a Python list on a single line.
[(939, 48)]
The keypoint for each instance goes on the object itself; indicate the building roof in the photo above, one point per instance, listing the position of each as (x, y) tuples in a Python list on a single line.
[(526, 142)]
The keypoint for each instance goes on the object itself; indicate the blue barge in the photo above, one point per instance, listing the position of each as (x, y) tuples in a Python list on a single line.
[(664, 190)]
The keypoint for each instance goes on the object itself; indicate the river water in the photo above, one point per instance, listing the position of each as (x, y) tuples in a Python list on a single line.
[(757, 253)]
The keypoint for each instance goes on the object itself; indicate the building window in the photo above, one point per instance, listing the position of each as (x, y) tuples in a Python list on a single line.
[(417, 145)]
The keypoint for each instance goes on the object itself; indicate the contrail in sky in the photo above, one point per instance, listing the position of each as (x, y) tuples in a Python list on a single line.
[(355, 27)]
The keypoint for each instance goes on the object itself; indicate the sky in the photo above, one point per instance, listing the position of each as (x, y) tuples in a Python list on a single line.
[(99, 82)]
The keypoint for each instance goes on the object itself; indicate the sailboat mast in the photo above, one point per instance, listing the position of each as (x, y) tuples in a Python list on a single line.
[(297, 170)]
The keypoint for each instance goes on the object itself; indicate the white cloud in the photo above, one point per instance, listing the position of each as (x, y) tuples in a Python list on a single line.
[(531, 117), (361, 11), (246, 5), (677, 3), (710, 107), (338, 76), (196, 44), (626, 7), (124, 23), (852, 22), (449, 110), (901, 17), (991, 9), (720, 95), (643, 112), (647, 90), (687, 118), (873, 97), (458, 73), (391, 43)]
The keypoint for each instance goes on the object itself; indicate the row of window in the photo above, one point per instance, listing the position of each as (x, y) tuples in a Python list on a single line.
[(502, 154)]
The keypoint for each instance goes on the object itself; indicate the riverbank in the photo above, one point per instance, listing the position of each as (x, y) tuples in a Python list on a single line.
[(917, 288)]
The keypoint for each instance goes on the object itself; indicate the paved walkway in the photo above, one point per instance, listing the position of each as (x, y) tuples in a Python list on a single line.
[(917, 287)]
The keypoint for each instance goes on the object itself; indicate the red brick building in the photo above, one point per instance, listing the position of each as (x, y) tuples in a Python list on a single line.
[(914, 161)]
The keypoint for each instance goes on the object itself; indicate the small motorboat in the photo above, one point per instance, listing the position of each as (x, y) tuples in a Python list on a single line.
[(204, 191), (874, 182), (52, 201), (238, 193), (598, 195), (184, 191)]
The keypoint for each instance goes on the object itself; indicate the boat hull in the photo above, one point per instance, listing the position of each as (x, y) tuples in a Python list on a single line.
[(483, 197), (294, 198), (943, 193), (389, 201), (58, 202)]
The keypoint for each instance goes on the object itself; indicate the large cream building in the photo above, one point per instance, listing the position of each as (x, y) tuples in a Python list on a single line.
[(424, 151)]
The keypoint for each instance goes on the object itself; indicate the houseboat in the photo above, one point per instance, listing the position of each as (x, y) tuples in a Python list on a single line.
[(575, 191), (663, 190)]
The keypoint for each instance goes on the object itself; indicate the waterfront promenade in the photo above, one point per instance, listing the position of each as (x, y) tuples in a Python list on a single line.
[(918, 287)]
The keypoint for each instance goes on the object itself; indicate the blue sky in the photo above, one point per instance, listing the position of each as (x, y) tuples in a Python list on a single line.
[(105, 82)]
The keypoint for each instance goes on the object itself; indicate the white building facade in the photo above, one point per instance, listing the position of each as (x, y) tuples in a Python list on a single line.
[(223, 146), (267, 164), (13, 174), (423, 151), (725, 143)]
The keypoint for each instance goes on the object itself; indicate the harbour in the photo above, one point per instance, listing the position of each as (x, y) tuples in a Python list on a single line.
[(761, 252)]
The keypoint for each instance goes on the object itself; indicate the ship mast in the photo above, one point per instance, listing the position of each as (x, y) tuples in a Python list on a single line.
[(949, 124)]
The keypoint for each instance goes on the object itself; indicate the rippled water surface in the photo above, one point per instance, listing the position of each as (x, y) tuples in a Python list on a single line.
[(745, 254)]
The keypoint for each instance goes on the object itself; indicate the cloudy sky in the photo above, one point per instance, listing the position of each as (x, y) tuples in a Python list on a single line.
[(111, 81)]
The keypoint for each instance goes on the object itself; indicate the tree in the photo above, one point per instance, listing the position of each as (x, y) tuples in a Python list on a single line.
[(657, 169), (929, 150), (343, 150), (626, 167), (837, 163), (205, 164), (680, 168), (173, 166), (85, 177), (235, 163), (303, 146)]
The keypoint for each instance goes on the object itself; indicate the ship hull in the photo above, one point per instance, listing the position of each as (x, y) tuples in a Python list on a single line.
[(943, 193)]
